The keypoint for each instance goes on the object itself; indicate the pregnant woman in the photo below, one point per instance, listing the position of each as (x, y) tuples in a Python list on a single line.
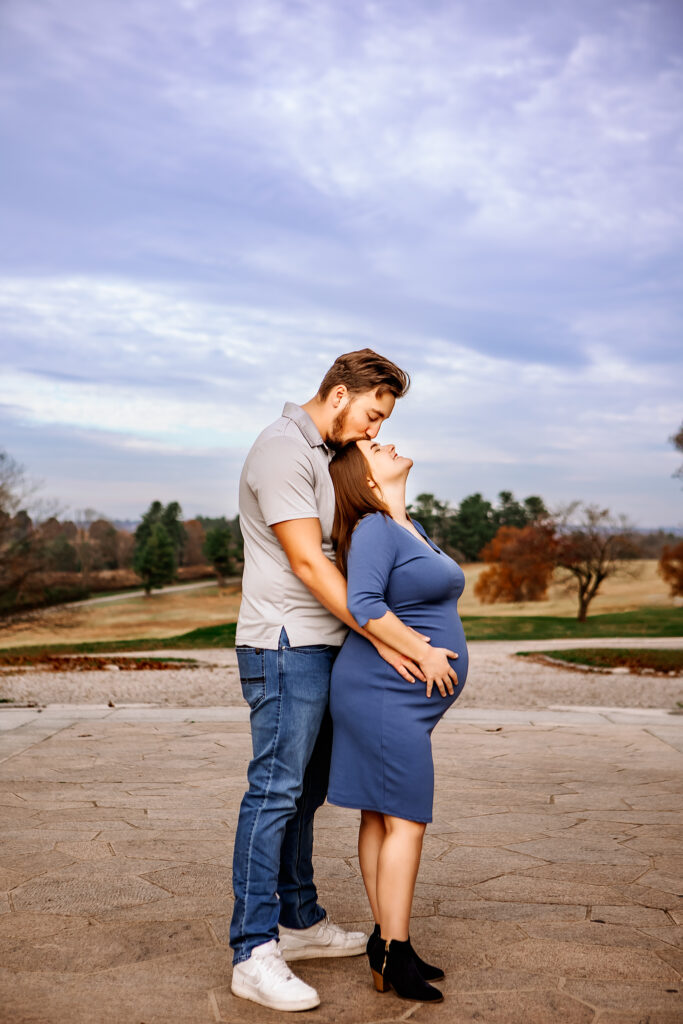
[(404, 590)]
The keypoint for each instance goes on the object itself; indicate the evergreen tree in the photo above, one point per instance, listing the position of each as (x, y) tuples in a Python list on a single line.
[(535, 509), (144, 529), (233, 525), (434, 515), (169, 518), (154, 560), (219, 549), (509, 511), (473, 526)]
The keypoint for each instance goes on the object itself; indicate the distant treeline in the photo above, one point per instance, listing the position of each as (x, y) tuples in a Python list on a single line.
[(46, 560), (465, 530)]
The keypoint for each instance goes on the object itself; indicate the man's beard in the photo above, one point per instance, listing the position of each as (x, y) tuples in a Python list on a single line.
[(336, 435)]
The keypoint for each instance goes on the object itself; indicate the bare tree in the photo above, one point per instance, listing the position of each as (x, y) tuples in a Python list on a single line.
[(85, 544), (195, 537), (20, 550), (125, 548), (591, 545), (22, 544)]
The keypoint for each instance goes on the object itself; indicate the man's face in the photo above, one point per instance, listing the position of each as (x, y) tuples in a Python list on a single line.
[(361, 417)]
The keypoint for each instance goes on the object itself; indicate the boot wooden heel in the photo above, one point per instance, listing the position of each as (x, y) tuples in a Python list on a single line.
[(380, 984)]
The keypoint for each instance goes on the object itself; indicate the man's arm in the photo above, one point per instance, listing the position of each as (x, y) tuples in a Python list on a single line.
[(302, 540)]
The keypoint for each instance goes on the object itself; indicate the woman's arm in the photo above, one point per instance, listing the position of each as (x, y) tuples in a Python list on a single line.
[(301, 540), (371, 559)]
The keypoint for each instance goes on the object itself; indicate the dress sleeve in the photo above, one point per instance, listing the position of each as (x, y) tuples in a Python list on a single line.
[(282, 478), (371, 558)]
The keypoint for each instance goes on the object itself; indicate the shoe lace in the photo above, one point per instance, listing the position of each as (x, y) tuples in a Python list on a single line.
[(327, 924), (276, 965)]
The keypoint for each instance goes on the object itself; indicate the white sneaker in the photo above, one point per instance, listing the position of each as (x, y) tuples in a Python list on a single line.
[(265, 978), (321, 939)]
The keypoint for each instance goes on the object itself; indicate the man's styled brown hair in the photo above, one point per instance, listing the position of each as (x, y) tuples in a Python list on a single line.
[(365, 370), (354, 498)]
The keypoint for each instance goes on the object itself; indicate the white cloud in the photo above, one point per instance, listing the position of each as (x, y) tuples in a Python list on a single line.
[(210, 201)]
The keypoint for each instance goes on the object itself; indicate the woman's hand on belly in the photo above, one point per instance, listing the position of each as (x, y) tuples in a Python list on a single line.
[(437, 670)]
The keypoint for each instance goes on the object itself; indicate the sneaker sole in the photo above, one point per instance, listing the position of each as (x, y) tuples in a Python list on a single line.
[(274, 1004), (314, 952)]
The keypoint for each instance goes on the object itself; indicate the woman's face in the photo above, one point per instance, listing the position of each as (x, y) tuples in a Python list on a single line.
[(386, 465)]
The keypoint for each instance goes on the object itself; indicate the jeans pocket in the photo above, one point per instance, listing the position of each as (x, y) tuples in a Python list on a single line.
[(254, 692), (251, 661)]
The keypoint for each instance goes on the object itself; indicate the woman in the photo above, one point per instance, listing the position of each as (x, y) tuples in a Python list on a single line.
[(403, 589)]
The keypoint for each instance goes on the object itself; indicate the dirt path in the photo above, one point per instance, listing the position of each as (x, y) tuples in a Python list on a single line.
[(497, 679)]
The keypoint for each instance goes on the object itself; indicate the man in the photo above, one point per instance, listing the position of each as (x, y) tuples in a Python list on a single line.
[(292, 621)]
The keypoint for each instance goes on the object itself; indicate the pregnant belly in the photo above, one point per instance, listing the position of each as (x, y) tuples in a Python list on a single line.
[(451, 636), (359, 665)]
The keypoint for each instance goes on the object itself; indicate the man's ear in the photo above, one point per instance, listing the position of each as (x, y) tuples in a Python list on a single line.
[(338, 395)]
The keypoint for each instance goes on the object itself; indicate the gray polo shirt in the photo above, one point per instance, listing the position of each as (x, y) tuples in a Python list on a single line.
[(285, 476)]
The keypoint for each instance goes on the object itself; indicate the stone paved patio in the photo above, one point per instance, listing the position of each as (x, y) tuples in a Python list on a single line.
[(550, 887)]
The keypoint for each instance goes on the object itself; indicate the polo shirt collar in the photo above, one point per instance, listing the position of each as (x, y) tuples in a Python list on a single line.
[(305, 424)]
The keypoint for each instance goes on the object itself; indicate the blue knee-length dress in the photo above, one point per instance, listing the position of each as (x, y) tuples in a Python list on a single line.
[(381, 750)]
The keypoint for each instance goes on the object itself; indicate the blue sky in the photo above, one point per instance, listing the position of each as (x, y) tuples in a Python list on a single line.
[(205, 202)]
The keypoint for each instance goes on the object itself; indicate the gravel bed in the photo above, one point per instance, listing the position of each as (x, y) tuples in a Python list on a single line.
[(497, 678)]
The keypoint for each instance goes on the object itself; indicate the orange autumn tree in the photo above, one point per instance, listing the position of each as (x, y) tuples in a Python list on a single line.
[(670, 567), (522, 562)]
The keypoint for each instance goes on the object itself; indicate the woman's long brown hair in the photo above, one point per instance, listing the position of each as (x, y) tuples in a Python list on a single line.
[(349, 470)]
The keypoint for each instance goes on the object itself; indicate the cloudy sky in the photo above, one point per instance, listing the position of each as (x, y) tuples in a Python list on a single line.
[(205, 202)]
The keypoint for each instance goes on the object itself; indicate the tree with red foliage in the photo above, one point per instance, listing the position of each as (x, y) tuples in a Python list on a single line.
[(522, 562), (670, 568)]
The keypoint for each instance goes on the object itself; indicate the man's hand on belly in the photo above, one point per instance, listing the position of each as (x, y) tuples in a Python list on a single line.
[(402, 664)]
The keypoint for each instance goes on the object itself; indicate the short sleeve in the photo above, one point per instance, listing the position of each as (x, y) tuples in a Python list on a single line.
[(371, 558), (283, 480)]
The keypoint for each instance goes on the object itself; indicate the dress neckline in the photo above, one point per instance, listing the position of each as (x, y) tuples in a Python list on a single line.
[(423, 540)]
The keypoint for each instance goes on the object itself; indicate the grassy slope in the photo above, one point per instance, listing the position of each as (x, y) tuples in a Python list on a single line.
[(644, 622), (636, 659)]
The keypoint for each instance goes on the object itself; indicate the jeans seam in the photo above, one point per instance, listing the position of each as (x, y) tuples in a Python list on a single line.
[(247, 876), (298, 850)]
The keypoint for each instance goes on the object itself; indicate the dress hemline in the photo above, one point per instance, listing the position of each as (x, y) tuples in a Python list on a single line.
[(377, 810)]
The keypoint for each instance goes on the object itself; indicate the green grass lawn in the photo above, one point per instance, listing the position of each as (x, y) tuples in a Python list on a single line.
[(636, 659), (643, 622)]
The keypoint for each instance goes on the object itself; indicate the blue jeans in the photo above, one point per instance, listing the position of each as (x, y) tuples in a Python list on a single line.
[(291, 730)]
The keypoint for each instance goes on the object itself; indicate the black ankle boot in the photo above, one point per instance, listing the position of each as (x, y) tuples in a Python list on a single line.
[(376, 933), (375, 952), (428, 971), (399, 971)]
